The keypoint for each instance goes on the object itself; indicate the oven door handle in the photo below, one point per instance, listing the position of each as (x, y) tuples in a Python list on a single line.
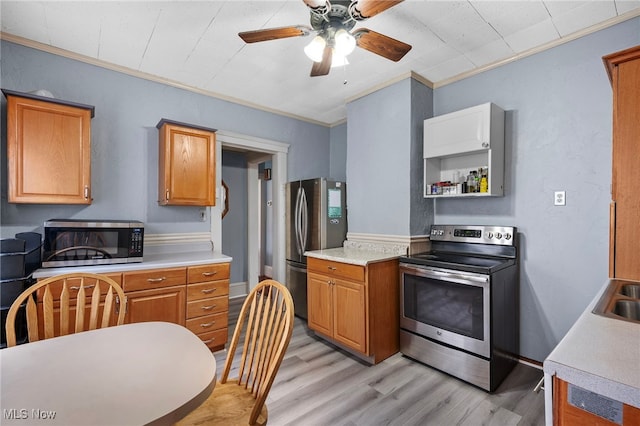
[(456, 276)]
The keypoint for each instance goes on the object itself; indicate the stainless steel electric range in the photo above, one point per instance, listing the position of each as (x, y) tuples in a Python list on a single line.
[(459, 303)]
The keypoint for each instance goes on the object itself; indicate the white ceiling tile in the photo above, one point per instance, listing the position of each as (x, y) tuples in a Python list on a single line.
[(624, 6), (583, 16), (537, 35), (14, 16), (510, 17), (490, 53), (448, 69)]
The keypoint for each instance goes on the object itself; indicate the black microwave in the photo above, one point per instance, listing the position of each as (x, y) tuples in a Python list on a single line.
[(72, 242)]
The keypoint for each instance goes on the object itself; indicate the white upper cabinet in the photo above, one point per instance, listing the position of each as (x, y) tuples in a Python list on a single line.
[(459, 143), (468, 130)]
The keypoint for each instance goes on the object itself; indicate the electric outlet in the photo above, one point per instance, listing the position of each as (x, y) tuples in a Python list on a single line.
[(559, 198)]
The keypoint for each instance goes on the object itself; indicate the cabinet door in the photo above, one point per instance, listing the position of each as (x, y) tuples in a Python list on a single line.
[(458, 132), (349, 314), (48, 151), (186, 166), (320, 303), (626, 173), (162, 304)]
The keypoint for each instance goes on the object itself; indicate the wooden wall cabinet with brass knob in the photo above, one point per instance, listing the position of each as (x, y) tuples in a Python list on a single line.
[(48, 150), (186, 164)]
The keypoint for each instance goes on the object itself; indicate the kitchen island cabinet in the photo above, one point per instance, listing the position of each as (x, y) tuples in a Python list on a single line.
[(187, 165), (48, 150), (353, 301)]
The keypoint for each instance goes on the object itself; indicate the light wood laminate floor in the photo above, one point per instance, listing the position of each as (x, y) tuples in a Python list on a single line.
[(319, 384)]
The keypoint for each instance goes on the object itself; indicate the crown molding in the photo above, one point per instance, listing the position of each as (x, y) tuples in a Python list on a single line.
[(146, 76)]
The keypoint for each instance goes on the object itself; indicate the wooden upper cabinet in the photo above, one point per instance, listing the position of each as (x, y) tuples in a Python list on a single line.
[(187, 165), (624, 257), (48, 150)]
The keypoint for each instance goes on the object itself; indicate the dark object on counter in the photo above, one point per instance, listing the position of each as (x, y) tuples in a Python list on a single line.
[(19, 257)]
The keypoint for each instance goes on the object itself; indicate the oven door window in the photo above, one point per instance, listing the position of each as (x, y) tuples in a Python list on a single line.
[(458, 308)]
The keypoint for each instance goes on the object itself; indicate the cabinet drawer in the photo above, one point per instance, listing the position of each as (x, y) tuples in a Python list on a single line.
[(217, 271), (207, 289), (202, 307), (215, 339), (338, 269), (156, 278), (73, 285), (208, 323)]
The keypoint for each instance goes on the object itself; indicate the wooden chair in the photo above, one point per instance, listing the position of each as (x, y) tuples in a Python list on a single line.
[(46, 318), (266, 318)]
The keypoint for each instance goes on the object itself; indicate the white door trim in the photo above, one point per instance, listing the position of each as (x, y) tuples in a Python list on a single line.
[(278, 152)]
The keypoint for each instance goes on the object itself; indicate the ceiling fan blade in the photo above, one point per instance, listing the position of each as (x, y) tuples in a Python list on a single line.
[(323, 67), (381, 44), (364, 9), (274, 33)]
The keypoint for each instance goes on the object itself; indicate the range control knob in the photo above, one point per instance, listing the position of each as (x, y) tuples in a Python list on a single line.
[(490, 235), (507, 236), (498, 235)]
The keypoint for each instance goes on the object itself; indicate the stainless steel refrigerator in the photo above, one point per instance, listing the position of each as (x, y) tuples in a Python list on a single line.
[(316, 218)]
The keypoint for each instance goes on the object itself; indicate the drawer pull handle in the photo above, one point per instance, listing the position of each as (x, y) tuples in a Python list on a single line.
[(209, 274), (208, 324), (208, 308), (208, 341), (75, 287), (156, 280), (331, 268), (208, 290)]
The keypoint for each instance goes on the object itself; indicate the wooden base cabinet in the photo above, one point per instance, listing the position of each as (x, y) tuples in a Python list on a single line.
[(196, 297), (155, 295), (567, 414), (208, 303), (355, 306)]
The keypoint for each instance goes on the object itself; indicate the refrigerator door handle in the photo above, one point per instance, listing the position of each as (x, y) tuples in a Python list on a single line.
[(305, 224), (297, 220)]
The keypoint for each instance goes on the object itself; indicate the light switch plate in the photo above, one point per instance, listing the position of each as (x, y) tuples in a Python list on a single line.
[(559, 198)]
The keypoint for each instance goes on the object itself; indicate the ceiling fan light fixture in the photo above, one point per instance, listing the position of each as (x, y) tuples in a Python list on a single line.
[(344, 42), (338, 60), (315, 49)]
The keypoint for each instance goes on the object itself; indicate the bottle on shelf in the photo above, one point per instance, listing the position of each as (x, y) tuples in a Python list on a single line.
[(471, 181)]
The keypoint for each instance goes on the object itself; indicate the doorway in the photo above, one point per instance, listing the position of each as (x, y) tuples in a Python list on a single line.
[(258, 151)]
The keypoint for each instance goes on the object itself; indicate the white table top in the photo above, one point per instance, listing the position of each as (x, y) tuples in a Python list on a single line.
[(134, 374)]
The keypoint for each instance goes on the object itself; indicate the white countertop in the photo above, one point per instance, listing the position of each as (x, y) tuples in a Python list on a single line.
[(353, 256), (151, 261), (601, 355)]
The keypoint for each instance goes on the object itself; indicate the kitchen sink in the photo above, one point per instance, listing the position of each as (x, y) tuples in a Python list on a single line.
[(621, 300)]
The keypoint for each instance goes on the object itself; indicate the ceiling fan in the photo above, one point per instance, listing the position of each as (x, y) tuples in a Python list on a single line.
[(333, 21)]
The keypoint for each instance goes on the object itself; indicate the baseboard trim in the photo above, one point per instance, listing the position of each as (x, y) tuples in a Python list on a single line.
[(238, 289)]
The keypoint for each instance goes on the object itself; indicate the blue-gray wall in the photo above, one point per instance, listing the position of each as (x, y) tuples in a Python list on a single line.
[(234, 224), (558, 137), (338, 143), (125, 140)]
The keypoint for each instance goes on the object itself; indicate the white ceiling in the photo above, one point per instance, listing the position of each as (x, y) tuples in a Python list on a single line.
[(194, 44)]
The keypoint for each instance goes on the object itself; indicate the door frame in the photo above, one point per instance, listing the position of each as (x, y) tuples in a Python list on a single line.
[(278, 155)]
